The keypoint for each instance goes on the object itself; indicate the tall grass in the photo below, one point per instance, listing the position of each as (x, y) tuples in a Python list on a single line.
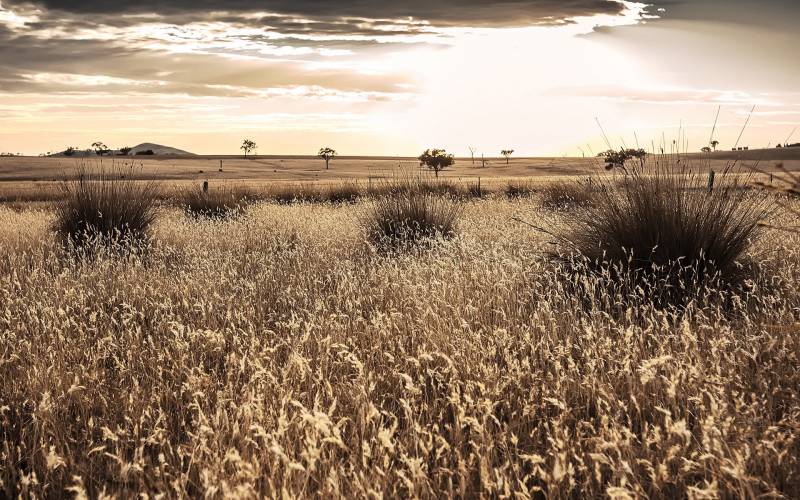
[(273, 357), (216, 202), (106, 205), (661, 227), (566, 195), (519, 189)]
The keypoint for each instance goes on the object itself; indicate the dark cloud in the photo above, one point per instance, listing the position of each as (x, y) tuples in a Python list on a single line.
[(443, 13), (769, 13), (240, 47)]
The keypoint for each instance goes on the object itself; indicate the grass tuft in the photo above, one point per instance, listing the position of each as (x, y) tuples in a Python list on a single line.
[(106, 206), (409, 218), (659, 230)]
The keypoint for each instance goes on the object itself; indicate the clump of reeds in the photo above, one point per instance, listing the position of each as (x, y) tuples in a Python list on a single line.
[(407, 218), (106, 206), (661, 230)]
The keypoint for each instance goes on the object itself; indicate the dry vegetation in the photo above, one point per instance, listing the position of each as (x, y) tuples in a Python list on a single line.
[(280, 354)]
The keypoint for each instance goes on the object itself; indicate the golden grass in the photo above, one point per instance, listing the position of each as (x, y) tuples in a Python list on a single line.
[(279, 355)]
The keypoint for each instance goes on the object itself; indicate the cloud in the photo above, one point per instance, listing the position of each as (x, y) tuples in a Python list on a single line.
[(672, 96), (442, 12)]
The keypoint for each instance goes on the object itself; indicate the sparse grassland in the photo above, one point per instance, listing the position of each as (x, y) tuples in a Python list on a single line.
[(280, 354)]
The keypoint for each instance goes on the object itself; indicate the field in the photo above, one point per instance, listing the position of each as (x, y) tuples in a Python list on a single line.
[(282, 354), (36, 178)]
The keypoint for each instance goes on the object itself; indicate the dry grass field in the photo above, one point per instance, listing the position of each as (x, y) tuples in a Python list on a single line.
[(25, 179), (282, 354)]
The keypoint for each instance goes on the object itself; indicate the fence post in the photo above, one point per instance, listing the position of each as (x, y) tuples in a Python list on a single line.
[(205, 186), (220, 165), (710, 181)]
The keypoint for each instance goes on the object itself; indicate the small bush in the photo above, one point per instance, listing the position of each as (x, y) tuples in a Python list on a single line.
[(222, 202), (565, 195), (404, 219), (107, 206), (660, 231)]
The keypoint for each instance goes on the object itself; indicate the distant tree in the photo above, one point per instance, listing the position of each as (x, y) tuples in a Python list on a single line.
[(70, 151), (148, 152), (705, 149), (714, 144), (247, 146), (618, 159), (472, 150), (327, 154), (125, 151), (436, 160), (100, 148), (507, 153), (779, 145)]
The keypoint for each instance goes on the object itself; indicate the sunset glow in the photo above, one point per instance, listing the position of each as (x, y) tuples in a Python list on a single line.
[(531, 78)]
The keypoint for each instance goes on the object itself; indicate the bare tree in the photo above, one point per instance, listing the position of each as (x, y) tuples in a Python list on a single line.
[(247, 146), (436, 160), (327, 154), (507, 153), (472, 150)]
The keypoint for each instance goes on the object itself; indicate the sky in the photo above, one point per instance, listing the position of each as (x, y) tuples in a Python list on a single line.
[(371, 77)]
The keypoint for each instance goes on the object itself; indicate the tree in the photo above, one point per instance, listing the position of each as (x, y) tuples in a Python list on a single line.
[(472, 150), (705, 149), (714, 144), (327, 154), (436, 160), (100, 148), (70, 151), (125, 151), (617, 159), (507, 153), (247, 146)]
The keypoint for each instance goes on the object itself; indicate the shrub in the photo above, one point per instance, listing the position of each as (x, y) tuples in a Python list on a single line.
[(106, 206), (565, 194), (404, 219), (222, 202), (660, 231)]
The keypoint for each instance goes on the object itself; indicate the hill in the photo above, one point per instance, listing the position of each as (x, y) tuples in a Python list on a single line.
[(159, 150)]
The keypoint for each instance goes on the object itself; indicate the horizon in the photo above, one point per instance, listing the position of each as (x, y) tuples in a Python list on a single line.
[(544, 78)]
